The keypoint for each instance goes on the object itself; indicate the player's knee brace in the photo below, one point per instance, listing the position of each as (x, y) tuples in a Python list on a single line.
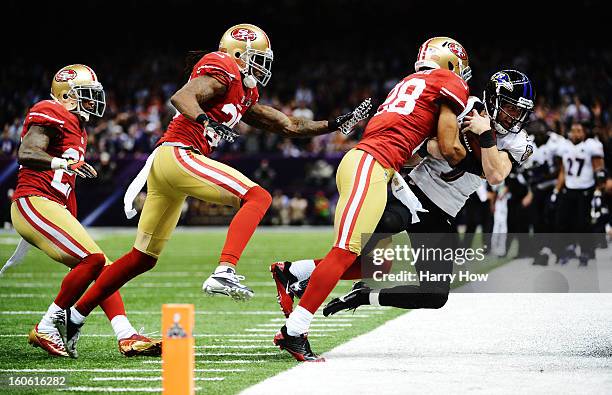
[(258, 198), (396, 218)]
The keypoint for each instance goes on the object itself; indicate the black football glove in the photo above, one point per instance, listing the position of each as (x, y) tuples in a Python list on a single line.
[(225, 132), (346, 122)]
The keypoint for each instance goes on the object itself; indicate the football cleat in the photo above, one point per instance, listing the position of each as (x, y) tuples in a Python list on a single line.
[(138, 344), (287, 286), (68, 330), (298, 346), (358, 296), (227, 282), (50, 342)]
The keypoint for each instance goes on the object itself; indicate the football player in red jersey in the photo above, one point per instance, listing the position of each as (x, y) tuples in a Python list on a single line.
[(221, 91), (43, 212), (424, 104)]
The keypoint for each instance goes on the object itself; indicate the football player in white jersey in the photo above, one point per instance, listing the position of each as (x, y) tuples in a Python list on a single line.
[(442, 190), (581, 159), (542, 170)]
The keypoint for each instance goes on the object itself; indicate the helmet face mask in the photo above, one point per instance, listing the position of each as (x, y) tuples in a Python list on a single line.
[(509, 100), (91, 100), (258, 64), (76, 87)]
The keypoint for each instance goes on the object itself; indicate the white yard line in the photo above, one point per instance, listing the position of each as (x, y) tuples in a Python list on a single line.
[(315, 325), (114, 389), (272, 331), (483, 343), (236, 361), (155, 312), (241, 347), (125, 378), (129, 370), (235, 354)]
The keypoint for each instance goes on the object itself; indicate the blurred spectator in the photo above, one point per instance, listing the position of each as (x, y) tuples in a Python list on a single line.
[(264, 175), (5, 215), (302, 111), (322, 211), (297, 209), (105, 169), (8, 146), (279, 209), (304, 95), (320, 174), (576, 112)]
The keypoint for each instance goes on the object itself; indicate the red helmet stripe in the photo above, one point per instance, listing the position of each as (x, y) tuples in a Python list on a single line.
[(424, 49), (93, 75)]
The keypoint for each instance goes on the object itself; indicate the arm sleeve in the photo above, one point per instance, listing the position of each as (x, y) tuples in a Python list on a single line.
[(216, 65)]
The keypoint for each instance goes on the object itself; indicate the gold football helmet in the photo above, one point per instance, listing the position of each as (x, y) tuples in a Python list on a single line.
[(445, 53), (250, 47), (77, 88)]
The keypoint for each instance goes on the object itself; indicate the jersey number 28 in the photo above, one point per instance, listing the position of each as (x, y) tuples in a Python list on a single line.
[(403, 97)]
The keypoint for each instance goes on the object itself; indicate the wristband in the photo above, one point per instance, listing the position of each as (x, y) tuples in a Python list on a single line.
[(487, 139), (59, 163), (202, 118)]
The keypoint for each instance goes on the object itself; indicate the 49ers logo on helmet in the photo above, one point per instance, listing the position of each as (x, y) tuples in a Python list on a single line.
[(244, 34), (458, 50), (65, 75)]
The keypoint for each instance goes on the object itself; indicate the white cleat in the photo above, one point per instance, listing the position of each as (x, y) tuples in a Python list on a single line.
[(225, 281)]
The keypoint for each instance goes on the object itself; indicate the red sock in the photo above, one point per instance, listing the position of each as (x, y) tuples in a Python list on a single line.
[(352, 273), (256, 203), (114, 277), (325, 277), (113, 305), (78, 279)]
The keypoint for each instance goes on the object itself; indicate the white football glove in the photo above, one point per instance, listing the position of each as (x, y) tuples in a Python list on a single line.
[(346, 122)]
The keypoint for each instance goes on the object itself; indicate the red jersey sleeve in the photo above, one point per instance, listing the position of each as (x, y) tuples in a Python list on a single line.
[(218, 65), (452, 90), (45, 113)]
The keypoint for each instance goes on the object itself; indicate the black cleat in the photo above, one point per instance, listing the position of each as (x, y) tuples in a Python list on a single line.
[(358, 296), (298, 346), (68, 330)]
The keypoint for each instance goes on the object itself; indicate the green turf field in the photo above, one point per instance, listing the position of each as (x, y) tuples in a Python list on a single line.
[(234, 340)]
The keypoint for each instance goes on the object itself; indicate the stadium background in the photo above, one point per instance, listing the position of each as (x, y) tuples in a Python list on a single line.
[(328, 56)]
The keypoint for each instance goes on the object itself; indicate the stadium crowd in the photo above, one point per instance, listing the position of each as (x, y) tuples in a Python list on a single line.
[(578, 87)]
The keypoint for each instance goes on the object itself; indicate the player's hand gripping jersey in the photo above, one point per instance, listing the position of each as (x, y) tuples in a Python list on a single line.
[(227, 109), (69, 142), (410, 114)]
